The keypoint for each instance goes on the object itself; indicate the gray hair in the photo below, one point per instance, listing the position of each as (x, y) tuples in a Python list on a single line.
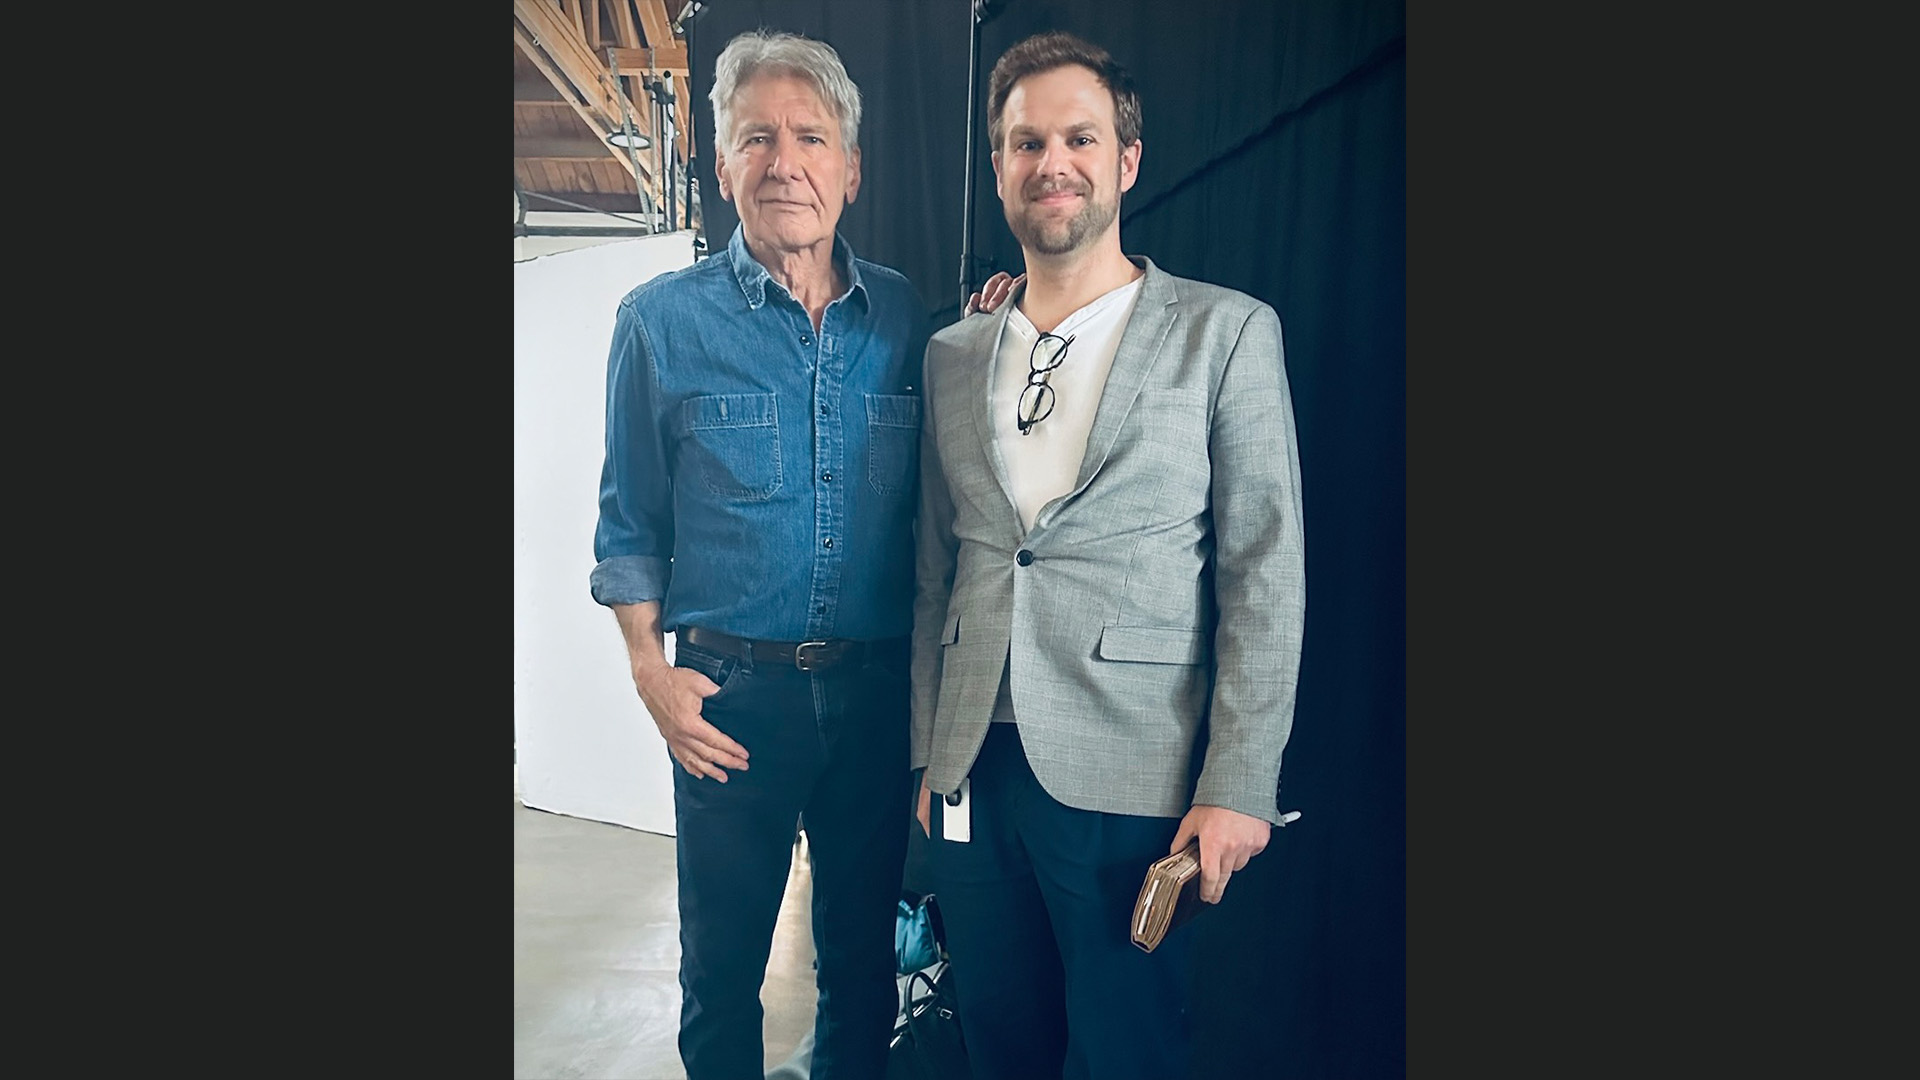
[(766, 52)]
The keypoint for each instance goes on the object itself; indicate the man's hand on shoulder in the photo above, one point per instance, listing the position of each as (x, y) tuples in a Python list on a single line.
[(1228, 839), (992, 294), (673, 696)]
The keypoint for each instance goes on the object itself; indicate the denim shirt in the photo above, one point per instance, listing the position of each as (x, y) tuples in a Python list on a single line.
[(761, 479)]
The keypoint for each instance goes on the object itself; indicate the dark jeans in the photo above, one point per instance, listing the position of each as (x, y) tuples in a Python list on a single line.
[(1038, 906), (830, 747)]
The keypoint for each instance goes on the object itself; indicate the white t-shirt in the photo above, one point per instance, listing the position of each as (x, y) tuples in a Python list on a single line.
[(1043, 464)]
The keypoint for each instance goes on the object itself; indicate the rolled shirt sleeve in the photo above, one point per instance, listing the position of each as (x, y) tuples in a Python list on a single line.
[(633, 540)]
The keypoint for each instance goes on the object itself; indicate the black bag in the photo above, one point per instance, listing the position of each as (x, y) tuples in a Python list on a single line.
[(927, 1042)]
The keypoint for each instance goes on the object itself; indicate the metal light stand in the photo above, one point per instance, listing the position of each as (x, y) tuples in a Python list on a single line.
[(979, 11), (661, 90), (682, 28), (633, 155)]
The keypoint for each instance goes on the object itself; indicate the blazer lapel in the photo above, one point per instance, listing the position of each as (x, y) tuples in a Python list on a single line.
[(1140, 341), (981, 375)]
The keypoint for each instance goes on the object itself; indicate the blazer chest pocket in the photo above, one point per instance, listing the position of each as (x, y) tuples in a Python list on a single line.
[(893, 442), (734, 441), (1153, 645)]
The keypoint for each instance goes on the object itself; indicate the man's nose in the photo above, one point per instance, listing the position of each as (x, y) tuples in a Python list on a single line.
[(786, 158), (1053, 158)]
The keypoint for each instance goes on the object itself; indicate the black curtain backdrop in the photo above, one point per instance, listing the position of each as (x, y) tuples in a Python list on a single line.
[(1275, 163)]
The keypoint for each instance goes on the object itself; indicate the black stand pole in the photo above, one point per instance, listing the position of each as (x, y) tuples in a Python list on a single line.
[(667, 129), (977, 14), (660, 91), (683, 28)]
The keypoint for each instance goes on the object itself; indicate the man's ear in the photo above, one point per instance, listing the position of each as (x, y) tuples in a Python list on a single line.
[(998, 180), (853, 175), (720, 173), (1130, 165)]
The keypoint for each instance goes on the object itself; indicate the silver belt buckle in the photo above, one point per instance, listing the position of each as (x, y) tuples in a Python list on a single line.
[(800, 658)]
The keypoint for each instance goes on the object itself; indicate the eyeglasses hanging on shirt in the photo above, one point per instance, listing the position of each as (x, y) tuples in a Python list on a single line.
[(1036, 401)]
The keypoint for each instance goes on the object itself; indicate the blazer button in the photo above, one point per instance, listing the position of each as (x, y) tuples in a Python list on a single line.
[(1025, 558)]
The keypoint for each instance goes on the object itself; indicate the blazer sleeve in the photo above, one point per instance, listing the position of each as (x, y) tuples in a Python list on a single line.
[(935, 552), (1259, 574)]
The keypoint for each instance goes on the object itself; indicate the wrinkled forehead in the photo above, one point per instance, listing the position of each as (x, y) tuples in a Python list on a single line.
[(778, 89)]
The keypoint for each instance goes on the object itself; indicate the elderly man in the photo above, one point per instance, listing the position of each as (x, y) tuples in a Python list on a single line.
[(757, 499)]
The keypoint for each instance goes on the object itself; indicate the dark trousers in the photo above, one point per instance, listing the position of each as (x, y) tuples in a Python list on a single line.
[(1038, 906), (829, 747)]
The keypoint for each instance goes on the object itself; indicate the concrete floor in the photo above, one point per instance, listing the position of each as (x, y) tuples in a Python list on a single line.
[(596, 953)]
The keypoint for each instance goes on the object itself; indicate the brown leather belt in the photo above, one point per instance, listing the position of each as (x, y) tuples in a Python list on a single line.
[(805, 655)]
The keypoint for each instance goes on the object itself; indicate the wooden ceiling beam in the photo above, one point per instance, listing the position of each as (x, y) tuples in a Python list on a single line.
[(558, 148), (672, 58), (659, 28), (531, 92), (556, 49), (544, 35), (623, 24), (580, 64), (626, 162), (594, 117)]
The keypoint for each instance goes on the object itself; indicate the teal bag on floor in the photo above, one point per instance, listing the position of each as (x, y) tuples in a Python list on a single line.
[(916, 940)]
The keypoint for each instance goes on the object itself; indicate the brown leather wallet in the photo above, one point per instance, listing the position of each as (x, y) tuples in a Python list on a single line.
[(1169, 897)]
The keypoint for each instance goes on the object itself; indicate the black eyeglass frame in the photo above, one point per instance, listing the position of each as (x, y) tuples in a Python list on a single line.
[(1037, 384)]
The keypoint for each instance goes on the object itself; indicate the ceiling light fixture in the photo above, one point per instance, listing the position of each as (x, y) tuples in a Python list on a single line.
[(619, 139)]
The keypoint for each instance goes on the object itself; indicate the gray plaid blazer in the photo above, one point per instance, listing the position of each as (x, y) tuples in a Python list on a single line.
[(1154, 636)]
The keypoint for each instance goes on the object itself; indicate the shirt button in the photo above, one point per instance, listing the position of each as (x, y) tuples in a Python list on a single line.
[(1025, 558), (821, 610), (823, 410), (806, 339), (828, 541), (826, 476)]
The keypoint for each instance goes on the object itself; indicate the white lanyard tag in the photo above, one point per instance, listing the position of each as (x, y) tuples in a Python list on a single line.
[(956, 814)]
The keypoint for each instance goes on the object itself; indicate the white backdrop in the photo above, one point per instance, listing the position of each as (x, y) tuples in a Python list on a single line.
[(583, 744)]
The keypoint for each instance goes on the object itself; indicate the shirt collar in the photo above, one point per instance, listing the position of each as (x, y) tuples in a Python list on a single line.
[(753, 277)]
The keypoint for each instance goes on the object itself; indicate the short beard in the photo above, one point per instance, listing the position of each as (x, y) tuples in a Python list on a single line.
[(1076, 232)]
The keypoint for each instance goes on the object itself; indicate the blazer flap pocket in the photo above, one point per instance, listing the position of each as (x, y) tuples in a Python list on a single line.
[(730, 411), (951, 632), (1176, 396), (1153, 644)]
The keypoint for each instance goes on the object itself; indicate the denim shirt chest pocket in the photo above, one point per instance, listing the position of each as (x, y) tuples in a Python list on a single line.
[(893, 442), (733, 441)]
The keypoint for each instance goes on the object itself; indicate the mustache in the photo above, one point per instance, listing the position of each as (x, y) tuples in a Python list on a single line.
[(1046, 187)]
